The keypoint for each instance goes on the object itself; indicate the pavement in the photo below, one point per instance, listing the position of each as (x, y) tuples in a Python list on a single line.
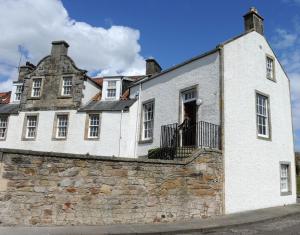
[(199, 226)]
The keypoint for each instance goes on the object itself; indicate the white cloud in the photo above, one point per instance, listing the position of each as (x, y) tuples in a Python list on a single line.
[(284, 39), (34, 24)]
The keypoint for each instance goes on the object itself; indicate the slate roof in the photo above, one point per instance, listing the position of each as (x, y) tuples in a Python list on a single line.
[(9, 108), (107, 105), (98, 80)]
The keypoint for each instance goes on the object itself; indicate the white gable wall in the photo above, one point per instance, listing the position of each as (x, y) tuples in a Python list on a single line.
[(252, 178), (165, 89), (89, 91)]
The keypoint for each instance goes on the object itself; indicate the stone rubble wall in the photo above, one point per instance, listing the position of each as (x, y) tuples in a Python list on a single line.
[(45, 189)]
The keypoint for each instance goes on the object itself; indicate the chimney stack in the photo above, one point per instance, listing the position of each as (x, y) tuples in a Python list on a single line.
[(253, 20), (59, 48), (152, 67), (24, 70)]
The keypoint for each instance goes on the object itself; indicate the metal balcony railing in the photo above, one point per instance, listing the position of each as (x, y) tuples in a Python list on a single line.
[(179, 141)]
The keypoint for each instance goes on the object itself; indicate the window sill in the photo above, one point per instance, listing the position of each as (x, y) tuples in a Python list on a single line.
[(285, 193), (272, 79), (92, 139), (64, 97), (34, 98), (59, 139), (28, 139), (145, 141), (266, 138)]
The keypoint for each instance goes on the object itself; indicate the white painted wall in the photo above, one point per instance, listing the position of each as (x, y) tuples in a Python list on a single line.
[(252, 177), (107, 145), (89, 91), (165, 89)]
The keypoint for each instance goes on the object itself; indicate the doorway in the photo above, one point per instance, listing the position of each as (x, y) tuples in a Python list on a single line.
[(189, 118)]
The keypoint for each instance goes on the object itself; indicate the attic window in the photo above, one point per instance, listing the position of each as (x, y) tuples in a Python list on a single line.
[(270, 68), (111, 89)]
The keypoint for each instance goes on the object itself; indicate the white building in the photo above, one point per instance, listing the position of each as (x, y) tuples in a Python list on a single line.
[(235, 98)]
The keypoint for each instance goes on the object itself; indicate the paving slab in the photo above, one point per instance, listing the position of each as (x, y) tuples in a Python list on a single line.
[(199, 225)]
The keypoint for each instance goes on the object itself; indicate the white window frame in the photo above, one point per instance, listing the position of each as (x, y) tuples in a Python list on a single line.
[(67, 84), (93, 125), (263, 115), (285, 186), (61, 125), (31, 126), (111, 89), (189, 95), (3, 126), (18, 93), (270, 68), (147, 120), (36, 87)]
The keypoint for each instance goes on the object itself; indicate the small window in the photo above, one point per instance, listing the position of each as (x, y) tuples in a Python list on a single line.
[(148, 118), (94, 124), (111, 89), (284, 178), (67, 86), (31, 127), (36, 87), (19, 90), (270, 68), (61, 126), (262, 116), (3, 127)]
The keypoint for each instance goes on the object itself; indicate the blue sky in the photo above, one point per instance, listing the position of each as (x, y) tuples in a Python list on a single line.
[(172, 31), (115, 36)]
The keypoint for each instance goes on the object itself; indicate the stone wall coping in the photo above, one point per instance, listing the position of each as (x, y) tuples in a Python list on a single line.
[(113, 159)]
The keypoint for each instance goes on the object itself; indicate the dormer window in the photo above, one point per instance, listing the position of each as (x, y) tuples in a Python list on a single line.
[(36, 87), (19, 89), (67, 86), (111, 89)]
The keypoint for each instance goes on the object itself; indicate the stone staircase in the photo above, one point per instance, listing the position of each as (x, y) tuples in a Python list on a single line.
[(184, 152)]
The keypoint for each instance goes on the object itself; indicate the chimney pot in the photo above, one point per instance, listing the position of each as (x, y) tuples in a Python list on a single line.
[(254, 21), (25, 69), (152, 67)]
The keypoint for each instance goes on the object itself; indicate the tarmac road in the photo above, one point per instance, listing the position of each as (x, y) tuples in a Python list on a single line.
[(289, 225)]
